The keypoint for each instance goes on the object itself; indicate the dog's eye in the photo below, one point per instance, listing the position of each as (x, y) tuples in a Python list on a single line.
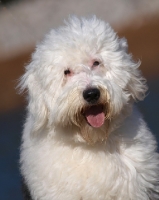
[(96, 63), (67, 72)]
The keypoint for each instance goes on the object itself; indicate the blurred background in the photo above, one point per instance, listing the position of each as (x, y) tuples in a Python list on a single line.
[(23, 23)]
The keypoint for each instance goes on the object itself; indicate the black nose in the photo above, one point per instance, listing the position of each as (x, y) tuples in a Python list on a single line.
[(91, 95)]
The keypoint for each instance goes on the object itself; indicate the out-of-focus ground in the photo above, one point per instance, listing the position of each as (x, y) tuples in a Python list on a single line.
[(23, 24)]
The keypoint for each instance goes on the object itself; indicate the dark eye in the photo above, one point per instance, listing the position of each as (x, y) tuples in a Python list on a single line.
[(96, 63), (67, 72)]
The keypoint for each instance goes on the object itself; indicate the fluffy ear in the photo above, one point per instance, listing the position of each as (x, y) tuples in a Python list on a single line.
[(37, 110), (137, 85)]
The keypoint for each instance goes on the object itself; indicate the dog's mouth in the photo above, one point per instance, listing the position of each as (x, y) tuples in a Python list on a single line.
[(94, 115)]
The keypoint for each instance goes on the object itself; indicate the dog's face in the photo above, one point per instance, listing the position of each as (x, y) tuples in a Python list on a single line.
[(82, 80)]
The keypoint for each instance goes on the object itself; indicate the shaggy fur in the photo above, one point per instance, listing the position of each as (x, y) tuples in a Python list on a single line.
[(83, 138)]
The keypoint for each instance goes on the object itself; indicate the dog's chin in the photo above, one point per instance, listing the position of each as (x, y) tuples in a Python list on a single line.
[(94, 123)]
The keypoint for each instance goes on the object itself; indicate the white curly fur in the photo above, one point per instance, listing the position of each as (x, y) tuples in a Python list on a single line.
[(64, 158)]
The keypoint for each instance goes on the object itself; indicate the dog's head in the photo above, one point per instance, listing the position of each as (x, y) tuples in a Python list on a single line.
[(82, 80)]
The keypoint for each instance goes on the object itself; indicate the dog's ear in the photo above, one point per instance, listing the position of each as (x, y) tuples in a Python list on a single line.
[(37, 110), (137, 86)]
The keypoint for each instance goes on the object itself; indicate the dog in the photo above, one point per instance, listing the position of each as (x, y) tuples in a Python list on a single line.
[(84, 139)]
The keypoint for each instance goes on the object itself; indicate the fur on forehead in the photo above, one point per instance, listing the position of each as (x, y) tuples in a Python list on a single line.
[(80, 42), (85, 37), (79, 32)]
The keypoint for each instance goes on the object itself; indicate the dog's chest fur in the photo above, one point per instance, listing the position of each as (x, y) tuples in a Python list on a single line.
[(114, 170)]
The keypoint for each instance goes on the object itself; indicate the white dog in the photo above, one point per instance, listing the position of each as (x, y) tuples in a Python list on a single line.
[(83, 138)]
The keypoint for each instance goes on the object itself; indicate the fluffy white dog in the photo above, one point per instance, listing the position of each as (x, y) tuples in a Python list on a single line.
[(83, 138)]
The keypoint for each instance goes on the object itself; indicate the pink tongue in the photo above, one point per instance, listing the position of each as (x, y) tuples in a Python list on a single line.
[(95, 116)]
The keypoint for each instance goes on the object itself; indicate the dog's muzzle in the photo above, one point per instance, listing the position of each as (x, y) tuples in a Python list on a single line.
[(94, 112)]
